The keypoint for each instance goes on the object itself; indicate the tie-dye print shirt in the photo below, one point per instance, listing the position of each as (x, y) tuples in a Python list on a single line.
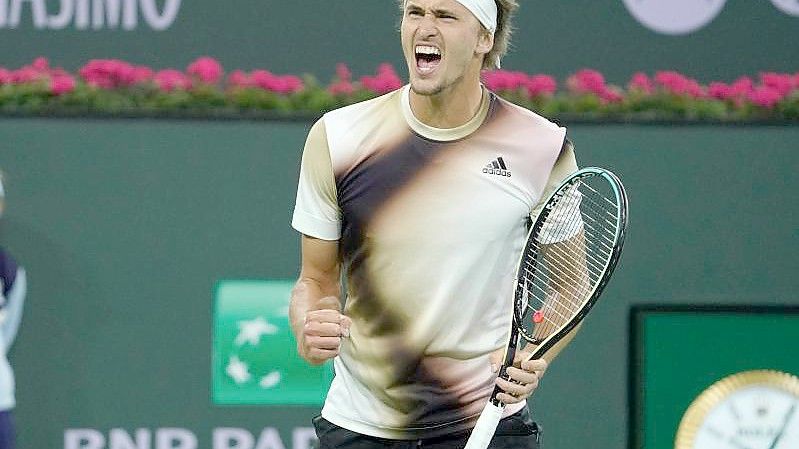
[(430, 224)]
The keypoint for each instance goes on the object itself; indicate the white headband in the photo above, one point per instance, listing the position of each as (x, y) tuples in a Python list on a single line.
[(486, 13), (484, 10)]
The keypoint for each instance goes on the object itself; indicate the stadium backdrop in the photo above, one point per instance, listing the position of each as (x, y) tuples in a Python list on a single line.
[(129, 229)]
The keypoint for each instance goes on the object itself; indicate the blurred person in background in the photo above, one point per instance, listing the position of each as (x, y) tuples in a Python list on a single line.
[(12, 296)]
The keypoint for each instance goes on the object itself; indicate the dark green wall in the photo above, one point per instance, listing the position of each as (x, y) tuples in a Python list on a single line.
[(556, 37), (124, 226)]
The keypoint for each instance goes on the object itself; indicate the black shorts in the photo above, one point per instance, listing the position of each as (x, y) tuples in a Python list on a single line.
[(517, 431)]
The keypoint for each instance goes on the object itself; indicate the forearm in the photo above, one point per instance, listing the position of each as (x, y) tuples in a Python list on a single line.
[(315, 309), (306, 292), (553, 352), (569, 284)]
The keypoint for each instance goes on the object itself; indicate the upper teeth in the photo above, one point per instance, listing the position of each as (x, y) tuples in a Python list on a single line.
[(425, 50)]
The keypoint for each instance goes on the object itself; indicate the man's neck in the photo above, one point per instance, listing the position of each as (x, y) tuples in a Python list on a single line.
[(448, 109)]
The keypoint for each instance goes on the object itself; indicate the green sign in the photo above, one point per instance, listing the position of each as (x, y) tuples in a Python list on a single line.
[(679, 351), (255, 360)]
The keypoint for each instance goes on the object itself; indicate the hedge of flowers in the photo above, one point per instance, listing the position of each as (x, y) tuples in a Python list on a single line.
[(115, 87)]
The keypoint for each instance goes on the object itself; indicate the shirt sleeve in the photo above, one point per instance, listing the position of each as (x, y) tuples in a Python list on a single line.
[(316, 211), (565, 165)]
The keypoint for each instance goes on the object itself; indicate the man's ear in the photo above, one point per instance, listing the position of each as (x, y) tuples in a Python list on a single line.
[(485, 42)]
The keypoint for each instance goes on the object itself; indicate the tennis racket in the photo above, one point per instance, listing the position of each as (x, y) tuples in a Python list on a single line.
[(571, 251)]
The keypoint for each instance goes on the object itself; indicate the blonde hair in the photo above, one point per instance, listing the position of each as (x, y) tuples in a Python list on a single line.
[(505, 11)]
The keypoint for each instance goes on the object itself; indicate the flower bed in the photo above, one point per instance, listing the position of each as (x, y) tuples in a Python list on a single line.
[(204, 89)]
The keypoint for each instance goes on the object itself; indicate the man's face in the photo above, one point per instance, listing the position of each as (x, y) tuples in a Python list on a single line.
[(442, 41)]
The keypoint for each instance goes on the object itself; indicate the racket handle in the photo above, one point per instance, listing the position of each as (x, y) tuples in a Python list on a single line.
[(486, 426)]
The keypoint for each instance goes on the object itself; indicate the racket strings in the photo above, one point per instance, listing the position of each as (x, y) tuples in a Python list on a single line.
[(567, 259), (565, 268), (573, 255), (568, 265), (597, 224), (613, 204), (591, 259)]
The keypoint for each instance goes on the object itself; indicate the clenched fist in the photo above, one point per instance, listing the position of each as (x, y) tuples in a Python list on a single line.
[(322, 331)]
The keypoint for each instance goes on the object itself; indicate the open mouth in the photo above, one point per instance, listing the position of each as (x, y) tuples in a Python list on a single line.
[(427, 58)]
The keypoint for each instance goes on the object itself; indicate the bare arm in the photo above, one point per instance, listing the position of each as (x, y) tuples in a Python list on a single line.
[(568, 279), (569, 283), (315, 310)]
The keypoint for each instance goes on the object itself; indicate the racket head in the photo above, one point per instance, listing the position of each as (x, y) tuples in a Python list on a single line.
[(571, 251)]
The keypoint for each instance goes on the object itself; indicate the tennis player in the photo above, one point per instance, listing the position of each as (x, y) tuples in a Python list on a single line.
[(13, 288), (422, 199)]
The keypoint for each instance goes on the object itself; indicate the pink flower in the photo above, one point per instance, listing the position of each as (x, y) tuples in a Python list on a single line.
[(720, 91), (587, 81), (26, 74), (742, 87), (515, 79), (343, 72), (385, 81), (5, 76), (206, 69), (541, 85), (641, 82), (765, 96), (62, 84), (263, 79), (341, 88), (504, 80), (141, 74), (113, 73), (58, 71), (239, 79), (41, 64), (678, 84), (38, 70), (170, 79), (95, 73), (781, 82), (289, 84), (286, 84), (737, 92), (611, 95), (495, 80), (343, 83)]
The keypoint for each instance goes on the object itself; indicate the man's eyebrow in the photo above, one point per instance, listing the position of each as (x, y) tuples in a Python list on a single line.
[(439, 11), (444, 12)]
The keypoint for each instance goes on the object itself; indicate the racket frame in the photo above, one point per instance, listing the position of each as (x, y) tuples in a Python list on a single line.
[(486, 425), (518, 306)]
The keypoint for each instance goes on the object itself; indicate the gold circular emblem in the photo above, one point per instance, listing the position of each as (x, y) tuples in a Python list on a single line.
[(748, 410)]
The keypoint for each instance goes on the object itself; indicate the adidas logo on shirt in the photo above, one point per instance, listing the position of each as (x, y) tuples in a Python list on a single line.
[(497, 167)]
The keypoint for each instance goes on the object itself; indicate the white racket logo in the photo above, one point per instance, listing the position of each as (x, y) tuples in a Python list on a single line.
[(676, 16), (790, 7)]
